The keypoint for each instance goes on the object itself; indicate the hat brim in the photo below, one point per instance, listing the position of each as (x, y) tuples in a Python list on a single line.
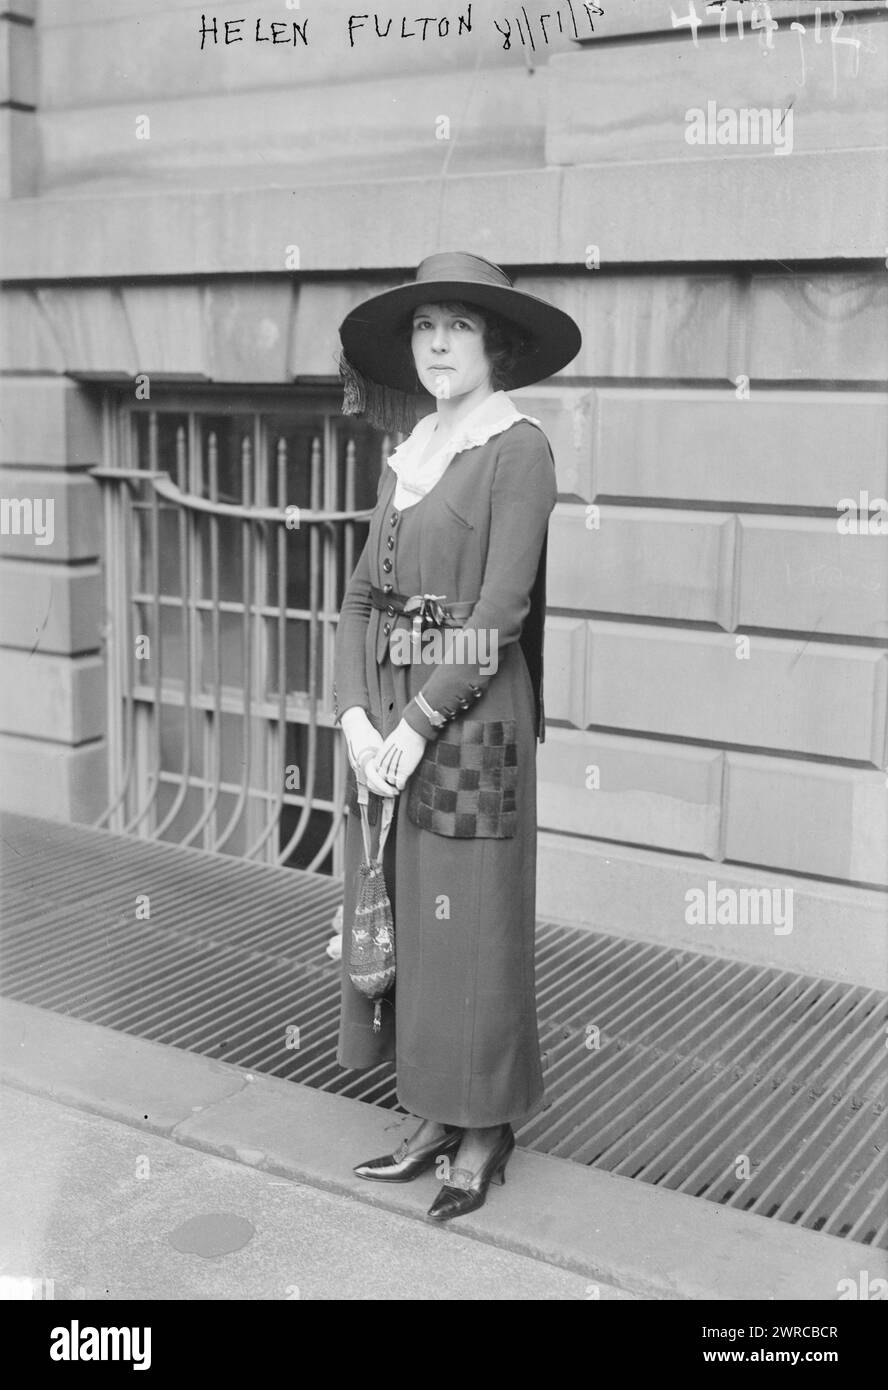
[(375, 342)]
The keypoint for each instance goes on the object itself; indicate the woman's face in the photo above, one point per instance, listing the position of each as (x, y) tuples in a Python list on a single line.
[(448, 349)]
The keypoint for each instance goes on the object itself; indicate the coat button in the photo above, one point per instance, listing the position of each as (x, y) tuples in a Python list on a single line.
[(386, 627), (390, 542), (386, 588), (390, 611), (393, 519), (387, 566)]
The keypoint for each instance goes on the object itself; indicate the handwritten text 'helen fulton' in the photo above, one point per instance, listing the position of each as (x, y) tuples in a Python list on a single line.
[(574, 20)]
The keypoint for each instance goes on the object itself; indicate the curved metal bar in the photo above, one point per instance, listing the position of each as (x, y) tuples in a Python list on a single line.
[(162, 483), (186, 545), (116, 610), (337, 816), (247, 604), (313, 575), (275, 814), (215, 776), (153, 780)]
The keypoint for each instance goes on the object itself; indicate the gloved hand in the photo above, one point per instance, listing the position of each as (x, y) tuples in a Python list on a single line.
[(362, 741), (398, 758)]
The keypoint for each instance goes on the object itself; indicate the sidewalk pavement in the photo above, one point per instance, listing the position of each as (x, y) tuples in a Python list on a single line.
[(115, 1144), (103, 1210)]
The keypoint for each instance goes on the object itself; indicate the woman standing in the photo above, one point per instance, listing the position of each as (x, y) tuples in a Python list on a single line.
[(439, 694)]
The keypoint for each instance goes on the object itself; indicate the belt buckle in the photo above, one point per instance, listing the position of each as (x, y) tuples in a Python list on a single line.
[(423, 611)]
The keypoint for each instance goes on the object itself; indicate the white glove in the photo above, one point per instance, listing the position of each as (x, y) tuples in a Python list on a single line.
[(398, 757), (362, 741)]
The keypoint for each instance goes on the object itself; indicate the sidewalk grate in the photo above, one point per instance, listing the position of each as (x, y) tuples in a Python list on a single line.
[(751, 1087)]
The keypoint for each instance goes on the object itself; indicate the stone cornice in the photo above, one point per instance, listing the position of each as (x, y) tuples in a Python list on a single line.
[(816, 207)]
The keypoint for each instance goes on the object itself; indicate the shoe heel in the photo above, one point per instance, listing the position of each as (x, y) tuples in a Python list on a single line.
[(500, 1175)]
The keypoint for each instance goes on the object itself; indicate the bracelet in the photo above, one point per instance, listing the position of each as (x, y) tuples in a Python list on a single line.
[(436, 720)]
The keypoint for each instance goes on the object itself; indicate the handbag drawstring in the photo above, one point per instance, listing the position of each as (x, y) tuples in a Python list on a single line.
[(374, 864)]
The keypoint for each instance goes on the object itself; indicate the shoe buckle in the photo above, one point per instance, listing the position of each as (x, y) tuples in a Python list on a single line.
[(460, 1177)]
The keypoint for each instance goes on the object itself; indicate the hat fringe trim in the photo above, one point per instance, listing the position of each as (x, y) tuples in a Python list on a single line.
[(381, 406)]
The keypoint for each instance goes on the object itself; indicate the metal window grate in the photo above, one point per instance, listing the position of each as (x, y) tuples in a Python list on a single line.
[(232, 523), (697, 1063)]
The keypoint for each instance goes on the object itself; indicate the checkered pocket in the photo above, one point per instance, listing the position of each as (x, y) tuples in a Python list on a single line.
[(465, 784)]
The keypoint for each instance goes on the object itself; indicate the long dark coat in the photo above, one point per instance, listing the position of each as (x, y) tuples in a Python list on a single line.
[(460, 866)]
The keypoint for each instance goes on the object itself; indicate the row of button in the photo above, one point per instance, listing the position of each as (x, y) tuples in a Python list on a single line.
[(387, 567), (463, 703), (476, 690)]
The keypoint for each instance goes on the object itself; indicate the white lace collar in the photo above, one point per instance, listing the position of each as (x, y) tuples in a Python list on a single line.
[(417, 476)]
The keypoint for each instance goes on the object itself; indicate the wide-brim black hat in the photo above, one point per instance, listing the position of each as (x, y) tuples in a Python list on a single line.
[(377, 356)]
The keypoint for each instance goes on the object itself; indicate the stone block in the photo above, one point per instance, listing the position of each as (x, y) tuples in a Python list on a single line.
[(802, 574), (48, 422), (53, 780), (52, 697), (632, 101), (752, 209), (808, 818), (565, 415), (27, 340), (18, 62), (819, 327), (632, 790), (772, 694), (248, 330), (90, 325), (51, 608), (564, 670), (777, 448), (168, 325), (290, 133), (666, 326), (49, 516), (19, 153), (642, 562)]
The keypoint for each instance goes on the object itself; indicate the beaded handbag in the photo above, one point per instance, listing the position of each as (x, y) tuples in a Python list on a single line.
[(371, 964)]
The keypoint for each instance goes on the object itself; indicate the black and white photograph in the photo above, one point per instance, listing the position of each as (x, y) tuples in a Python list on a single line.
[(444, 667)]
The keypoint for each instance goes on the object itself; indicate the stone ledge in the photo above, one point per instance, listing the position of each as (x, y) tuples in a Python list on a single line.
[(814, 207), (838, 931)]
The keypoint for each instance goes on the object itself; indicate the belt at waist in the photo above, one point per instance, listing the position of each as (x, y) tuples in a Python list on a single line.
[(429, 608)]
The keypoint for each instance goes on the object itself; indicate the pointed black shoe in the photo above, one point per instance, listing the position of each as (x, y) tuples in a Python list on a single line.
[(402, 1166), (465, 1191)]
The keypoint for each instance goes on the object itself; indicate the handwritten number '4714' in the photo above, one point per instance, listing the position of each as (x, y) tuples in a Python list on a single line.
[(762, 19)]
